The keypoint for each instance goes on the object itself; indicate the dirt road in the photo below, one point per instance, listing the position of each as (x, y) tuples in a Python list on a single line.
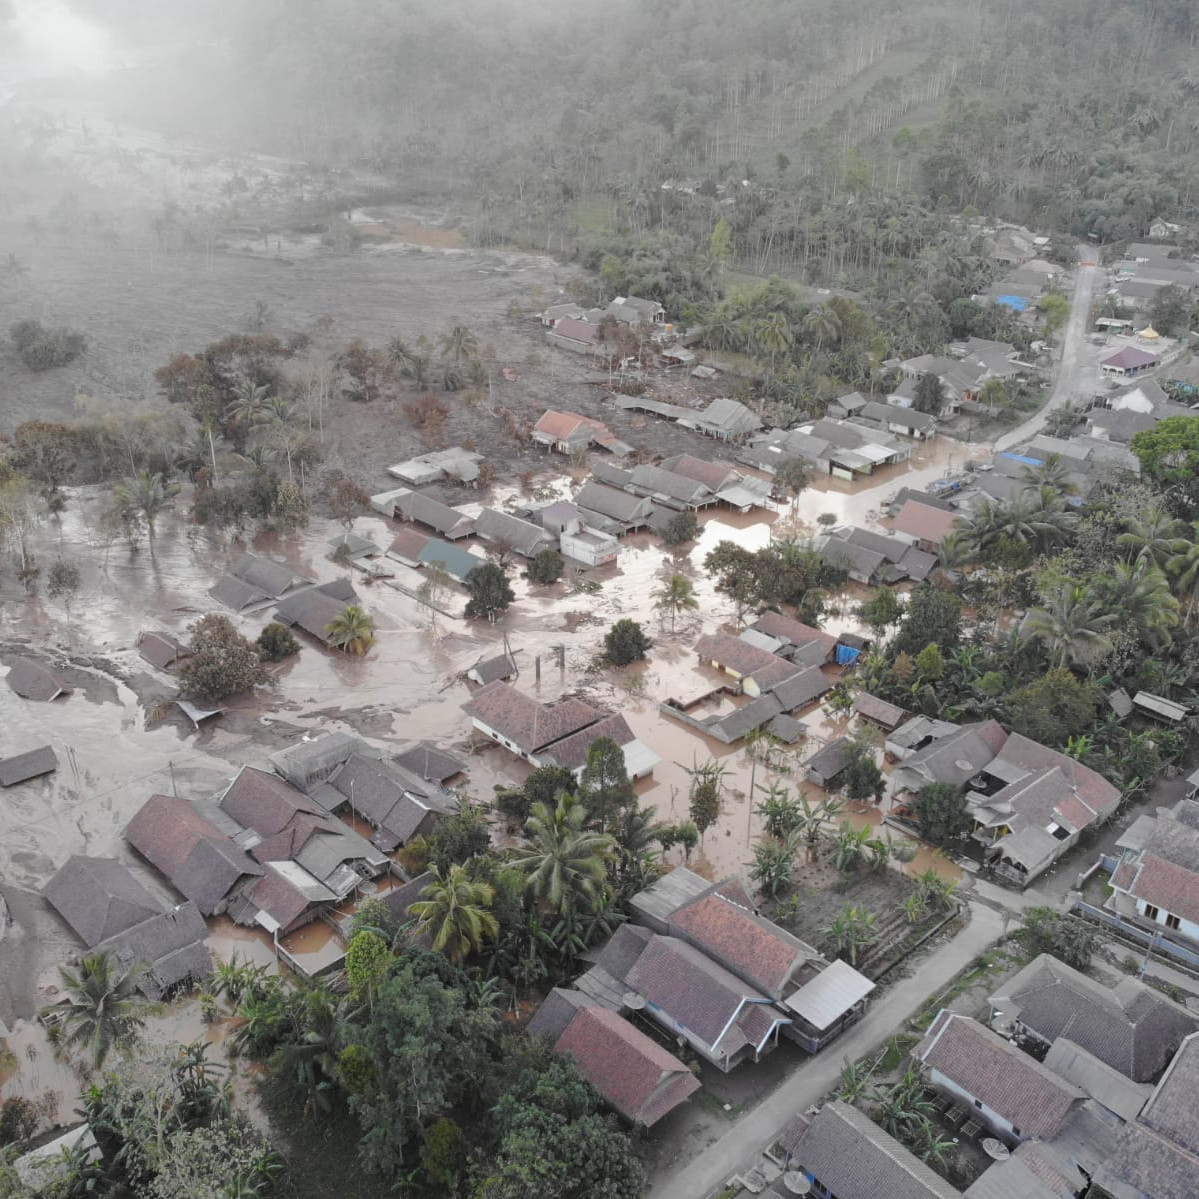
[(1074, 376), (735, 1150)]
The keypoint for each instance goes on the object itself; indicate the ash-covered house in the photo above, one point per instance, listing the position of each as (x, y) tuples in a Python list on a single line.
[(253, 583), (705, 966), (112, 913), (1129, 1028), (569, 433), (421, 509), (522, 536), (557, 733), (1029, 803), (314, 609), (33, 681), (1155, 880)]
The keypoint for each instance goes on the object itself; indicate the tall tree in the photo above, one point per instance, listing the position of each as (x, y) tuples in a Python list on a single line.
[(102, 1007), (605, 787), (145, 497), (456, 911), (352, 630), (675, 595), (564, 861)]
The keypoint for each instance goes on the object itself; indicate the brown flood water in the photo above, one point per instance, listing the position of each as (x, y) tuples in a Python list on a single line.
[(409, 687)]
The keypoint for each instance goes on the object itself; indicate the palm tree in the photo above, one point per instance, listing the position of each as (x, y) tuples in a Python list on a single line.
[(102, 1007), (455, 910), (352, 630), (1156, 537), (1184, 566), (1073, 629), (823, 324), (250, 401), (773, 335), (458, 343), (565, 860), (1053, 472), (145, 496), (1140, 595), (676, 595)]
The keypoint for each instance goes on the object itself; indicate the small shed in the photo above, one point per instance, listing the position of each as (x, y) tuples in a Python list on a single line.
[(1120, 702), (887, 716), (31, 680), (824, 766), (489, 670), (358, 547), (196, 715), (31, 764), (161, 649), (1160, 708)]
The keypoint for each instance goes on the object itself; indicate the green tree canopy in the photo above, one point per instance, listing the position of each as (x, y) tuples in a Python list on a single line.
[(942, 814), (626, 641), (1169, 457), (490, 592)]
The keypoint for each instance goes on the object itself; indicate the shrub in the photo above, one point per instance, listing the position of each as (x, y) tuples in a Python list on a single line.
[(1070, 940), (681, 528), (41, 349), (625, 642), (546, 568), (276, 642)]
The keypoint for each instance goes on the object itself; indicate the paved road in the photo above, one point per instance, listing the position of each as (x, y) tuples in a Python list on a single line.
[(1074, 376), (738, 1148)]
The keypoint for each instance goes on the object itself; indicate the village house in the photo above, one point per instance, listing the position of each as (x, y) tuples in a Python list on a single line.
[(1013, 1094), (498, 668), (1128, 363), (844, 1154), (430, 763), (641, 1080), (31, 764), (1130, 1027), (576, 540), (569, 433), (1029, 803), (632, 310), (421, 509), (1155, 882), (456, 463), (906, 422), (558, 312), (926, 526), (574, 334), (162, 650), (823, 767), (505, 530), (33, 681), (571, 752), (314, 609), (611, 509)]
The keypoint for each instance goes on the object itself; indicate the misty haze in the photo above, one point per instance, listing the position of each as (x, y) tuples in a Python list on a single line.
[(599, 600)]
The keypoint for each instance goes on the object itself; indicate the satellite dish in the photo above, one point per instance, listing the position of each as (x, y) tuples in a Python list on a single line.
[(962, 764), (633, 1001)]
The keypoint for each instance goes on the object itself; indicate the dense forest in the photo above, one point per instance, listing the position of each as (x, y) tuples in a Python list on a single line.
[(1081, 115)]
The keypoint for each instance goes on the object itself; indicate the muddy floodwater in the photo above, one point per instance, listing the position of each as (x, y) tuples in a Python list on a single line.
[(118, 740)]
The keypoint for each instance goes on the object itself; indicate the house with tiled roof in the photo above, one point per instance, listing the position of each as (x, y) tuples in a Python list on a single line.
[(1155, 885), (724, 1019), (570, 433), (571, 752), (635, 1075), (398, 805), (925, 525), (198, 859), (1008, 1090), (98, 898), (1130, 1027), (797, 638), (505, 530), (525, 725), (843, 1153)]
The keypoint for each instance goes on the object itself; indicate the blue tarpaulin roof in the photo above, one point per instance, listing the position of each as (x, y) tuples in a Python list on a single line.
[(1018, 303), (846, 655), (1021, 458)]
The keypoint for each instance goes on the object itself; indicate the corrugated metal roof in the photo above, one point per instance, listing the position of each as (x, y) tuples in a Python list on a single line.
[(828, 996)]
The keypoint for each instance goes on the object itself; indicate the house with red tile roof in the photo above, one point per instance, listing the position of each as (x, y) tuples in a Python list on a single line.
[(525, 725), (637, 1076), (1005, 1088), (926, 526), (1155, 885)]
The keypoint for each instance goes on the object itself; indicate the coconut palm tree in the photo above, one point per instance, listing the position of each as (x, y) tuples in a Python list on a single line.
[(146, 496), (772, 335), (823, 324), (676, 595), (249, 403), (458, 343), (1140, 594), (352, 631), (455, 911), (102, 1006), (1053, 472), (1073, 629), (1156, 537), (1184, 566), (564, 860)]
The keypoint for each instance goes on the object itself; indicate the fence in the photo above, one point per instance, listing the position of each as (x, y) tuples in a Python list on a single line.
[(1154, 940)]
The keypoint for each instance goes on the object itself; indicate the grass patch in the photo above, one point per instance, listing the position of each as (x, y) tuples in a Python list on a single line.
[(1017, 951), (592, 217), (897, 1049)]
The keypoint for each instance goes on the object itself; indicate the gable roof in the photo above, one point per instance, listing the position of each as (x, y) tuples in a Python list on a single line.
[(713, 475), (677, 888), (728, 416), (634, 1074), (924, 523), (161, 649), (567, 426), (429, 763), (237, 594), (311, 761), (170, 947), (612, 502), (658, 483), (262, 801), (522, 535), (199, 860), (957, 756), (1007, 1080), (703, 997), (98, 898), (408, 543), (1130, 1027), (489, 670), (453, 559), (878, 710), (527, 723), (20, 768), (576, 330), (266, 575), (798, 690), (31, 680), (571, 752), (1142, 1163), (735, 654), (832, 759), (314, 609), (752, 947), (1130, 358), (1172, 1111), (775, 624), (854, 1158), (1093, 1075), (424, 509)]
